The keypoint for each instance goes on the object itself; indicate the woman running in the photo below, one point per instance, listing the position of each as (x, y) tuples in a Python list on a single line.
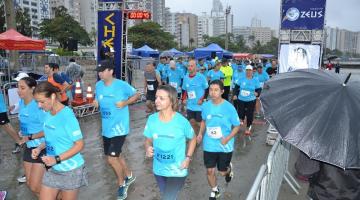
[(31, 119), (63, 142), (166, 133)]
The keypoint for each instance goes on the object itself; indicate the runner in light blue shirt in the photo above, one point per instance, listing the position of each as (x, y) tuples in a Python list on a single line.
[(63, 142), (163, 67), (215, 74), (113, 97), (175, 75), (220, 123), (166, 134)]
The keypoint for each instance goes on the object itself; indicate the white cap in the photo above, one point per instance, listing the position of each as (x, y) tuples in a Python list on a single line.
[(20, 76), (112, 50), (248, 67)]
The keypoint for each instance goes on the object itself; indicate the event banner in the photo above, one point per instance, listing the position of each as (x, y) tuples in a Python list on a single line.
[(303, 14), (109, 37), (298, 56)]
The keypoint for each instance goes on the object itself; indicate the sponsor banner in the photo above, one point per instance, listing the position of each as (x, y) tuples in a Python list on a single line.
[(303, 14), (298, 56), (109, 37)]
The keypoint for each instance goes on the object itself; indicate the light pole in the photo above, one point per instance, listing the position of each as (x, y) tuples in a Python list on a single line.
[(227, 12)]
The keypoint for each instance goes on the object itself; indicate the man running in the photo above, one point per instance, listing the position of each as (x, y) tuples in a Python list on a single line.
[(113, 97), (221, 123)]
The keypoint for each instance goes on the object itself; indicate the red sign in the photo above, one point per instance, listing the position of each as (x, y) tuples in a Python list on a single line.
[(139, 15)]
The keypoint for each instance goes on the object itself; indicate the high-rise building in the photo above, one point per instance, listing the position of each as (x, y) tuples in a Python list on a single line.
[(72, 6), (88, 15), (219, 19), (343, 40), (205, 27), (187, 30), (170, 21), (158, 12), (37, 10), (255, 22), (261, 34)]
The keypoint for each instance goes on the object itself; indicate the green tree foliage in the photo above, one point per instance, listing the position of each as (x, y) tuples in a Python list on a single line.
[(23, 21), (62, 28), (150, 33)]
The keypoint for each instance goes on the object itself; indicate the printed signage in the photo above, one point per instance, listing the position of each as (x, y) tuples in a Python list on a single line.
[(303, 14)]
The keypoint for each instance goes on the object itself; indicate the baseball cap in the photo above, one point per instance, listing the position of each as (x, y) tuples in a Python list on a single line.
[(20, 76), (104, 64), (248, 67)]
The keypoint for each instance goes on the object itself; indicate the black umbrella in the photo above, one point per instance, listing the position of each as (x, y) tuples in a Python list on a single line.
[(318, 112)]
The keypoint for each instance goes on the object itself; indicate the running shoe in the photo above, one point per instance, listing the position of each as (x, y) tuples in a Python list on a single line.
[(17, 149), (230, 175), (214, 195), (129, 180), (22, 179), (257, 116), (122, 192), (3, 195)]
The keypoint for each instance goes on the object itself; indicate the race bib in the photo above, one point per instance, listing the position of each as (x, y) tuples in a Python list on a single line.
[(245, 93), (106, 113), (150, 87), (191, 95), (166, 157), (261, 84), (173, 84), (214, 132)]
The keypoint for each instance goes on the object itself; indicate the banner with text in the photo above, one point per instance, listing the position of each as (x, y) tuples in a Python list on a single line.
[(303, 14), (110, 37)]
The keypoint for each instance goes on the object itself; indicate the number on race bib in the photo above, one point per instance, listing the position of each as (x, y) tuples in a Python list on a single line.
[(150, 87), (173, 84), (214, 132), (191, 95), (244, 93)]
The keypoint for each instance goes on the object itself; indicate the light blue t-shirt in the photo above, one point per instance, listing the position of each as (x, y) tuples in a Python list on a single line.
[(181, 67), (247, 88), (61, 131), (263, 77), (215, 75), (236, 76), (219, 120), (163, 68), (2, 103), (169, 143), (195, 89), (205, 65), (31, 119), (175, 77), (115, 121)]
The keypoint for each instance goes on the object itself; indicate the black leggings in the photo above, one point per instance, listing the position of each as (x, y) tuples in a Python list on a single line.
[(246, 109), (225, 95)]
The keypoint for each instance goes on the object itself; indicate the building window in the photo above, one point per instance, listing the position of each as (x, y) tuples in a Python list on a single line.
[(26, 2), (34, 4)]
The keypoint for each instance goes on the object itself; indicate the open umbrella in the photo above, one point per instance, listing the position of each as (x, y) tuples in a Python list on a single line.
[(318, 112)]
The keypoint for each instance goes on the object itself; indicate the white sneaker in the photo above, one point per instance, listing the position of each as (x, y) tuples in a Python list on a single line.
[(22, 179)]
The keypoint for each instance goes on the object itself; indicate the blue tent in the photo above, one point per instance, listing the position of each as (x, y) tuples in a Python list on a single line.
[(206, 52), (146, 51), (172, 52)]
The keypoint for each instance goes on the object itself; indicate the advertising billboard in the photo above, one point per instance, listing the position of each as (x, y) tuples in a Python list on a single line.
[(298, 56), (303, 14)]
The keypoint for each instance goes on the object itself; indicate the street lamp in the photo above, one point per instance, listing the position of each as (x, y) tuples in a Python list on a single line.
[(227, 12)]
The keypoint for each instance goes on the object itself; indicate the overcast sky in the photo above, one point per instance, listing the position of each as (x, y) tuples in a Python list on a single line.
[(339, 13)]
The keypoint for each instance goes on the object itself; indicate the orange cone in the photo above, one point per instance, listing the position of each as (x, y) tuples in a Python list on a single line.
[(89, 95), (78, 97)]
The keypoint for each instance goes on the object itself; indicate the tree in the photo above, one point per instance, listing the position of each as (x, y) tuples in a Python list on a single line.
[(62, 28), (191, 41), (271, 47), (257, 48), (150, 33), (241, 44), (22, 18)]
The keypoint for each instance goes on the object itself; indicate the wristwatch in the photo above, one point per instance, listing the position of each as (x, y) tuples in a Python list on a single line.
[(30, 137), (58, 160)]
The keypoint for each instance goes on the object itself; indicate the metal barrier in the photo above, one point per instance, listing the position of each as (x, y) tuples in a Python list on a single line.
[(275, 171), (9, 91)]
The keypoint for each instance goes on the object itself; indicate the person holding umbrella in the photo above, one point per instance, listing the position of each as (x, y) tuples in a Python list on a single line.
[(246, 89)]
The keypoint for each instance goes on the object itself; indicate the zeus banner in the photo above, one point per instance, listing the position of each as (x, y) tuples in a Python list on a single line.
[(109, 37), (303, 14)]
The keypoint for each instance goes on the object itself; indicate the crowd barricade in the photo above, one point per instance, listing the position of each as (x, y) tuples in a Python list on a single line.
[(270, 176)]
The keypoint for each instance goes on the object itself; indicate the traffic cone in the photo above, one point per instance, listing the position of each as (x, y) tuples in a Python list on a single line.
[(89, 95), (78, 99)]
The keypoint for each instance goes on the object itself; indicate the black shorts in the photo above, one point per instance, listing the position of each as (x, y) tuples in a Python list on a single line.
[(220, 159), (150, 96), (113, 146), (4, 118), (194, 115), (27, 155)]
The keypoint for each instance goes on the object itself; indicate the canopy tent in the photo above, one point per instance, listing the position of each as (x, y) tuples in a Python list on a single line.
[(172, 52), (190, 53), (227, 54), (13, 40), (209, 51), (266, 55), (242, 55), (146, 51)]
